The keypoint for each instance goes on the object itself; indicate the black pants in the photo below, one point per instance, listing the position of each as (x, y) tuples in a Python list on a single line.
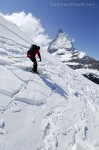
[(34, 64)]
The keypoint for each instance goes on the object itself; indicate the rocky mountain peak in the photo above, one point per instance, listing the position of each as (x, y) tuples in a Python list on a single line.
[(60, 31), (60, 43)]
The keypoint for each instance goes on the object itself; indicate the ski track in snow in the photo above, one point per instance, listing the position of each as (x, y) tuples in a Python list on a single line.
[(59, 106)]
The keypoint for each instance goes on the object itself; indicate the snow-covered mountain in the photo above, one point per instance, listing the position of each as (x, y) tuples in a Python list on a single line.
[(55, 110), (63, 48)]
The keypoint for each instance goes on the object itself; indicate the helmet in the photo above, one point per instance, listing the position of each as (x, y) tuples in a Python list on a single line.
[(38, 47)]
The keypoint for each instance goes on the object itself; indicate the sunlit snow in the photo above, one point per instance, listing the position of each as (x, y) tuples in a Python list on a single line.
[(55, 110)]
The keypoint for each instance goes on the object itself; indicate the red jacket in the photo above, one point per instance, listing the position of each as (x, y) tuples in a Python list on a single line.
[(34, 53)]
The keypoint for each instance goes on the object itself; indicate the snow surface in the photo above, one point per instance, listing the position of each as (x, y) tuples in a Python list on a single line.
[(87, 71), (55, 110), (81, 54), (11, 31), (63, 55)]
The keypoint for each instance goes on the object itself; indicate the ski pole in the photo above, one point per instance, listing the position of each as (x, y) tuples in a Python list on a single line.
[(17, 57)]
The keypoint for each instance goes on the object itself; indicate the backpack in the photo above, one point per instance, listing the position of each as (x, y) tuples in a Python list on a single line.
[(31, 50)]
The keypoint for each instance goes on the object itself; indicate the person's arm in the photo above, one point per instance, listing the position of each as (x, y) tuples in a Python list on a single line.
[(39, 55)]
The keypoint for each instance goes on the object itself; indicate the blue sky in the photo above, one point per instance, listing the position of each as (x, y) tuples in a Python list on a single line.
[(79, 22)]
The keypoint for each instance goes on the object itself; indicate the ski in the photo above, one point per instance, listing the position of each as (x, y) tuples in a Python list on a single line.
[(29, 69)]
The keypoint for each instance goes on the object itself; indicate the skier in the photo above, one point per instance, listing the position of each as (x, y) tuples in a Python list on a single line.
[(31, 53)]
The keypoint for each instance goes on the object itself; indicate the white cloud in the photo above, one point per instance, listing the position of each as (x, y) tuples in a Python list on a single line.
[(31, 26)]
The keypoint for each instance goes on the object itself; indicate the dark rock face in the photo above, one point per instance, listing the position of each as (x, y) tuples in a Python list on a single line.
[(60, 31), (85, 62), (92, 77)]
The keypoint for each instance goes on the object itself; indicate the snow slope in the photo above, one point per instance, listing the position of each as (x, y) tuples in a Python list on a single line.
[(56, 110), (11, 31)]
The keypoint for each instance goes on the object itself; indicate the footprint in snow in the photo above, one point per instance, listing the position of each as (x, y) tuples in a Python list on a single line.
[(14, 110), (2, 125), (33, 119)]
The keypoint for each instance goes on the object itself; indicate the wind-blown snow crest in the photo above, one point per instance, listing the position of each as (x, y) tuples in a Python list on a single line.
[(11, 31), (55, 110)]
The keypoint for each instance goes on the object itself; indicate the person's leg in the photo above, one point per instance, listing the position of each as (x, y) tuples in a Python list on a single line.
[(35, 64)]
